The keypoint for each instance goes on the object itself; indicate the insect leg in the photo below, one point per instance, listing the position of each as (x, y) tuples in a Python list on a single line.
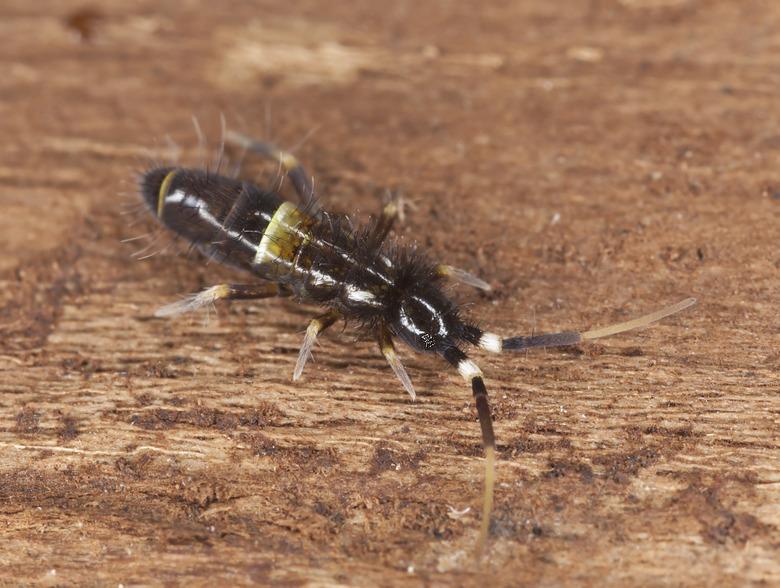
[(497, 344), (222, 292), (463, 277), (316, 326), (388, 350), (384, 223), (392, 210), (473, 375), (301, 181)]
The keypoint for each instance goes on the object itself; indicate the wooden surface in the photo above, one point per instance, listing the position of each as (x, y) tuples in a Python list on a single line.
[(592, 162)]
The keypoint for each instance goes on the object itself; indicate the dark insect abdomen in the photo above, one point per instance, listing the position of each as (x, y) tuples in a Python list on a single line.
[(225, 218), (320, 259)]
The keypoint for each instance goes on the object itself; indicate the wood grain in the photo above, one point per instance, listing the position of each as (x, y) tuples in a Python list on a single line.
[(592, 163)]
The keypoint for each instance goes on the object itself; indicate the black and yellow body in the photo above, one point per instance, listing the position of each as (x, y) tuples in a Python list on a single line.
[(317, 257), (234, 222)]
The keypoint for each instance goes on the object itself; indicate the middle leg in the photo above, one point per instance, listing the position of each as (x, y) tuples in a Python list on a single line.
[(388, 350), (300, 180), (317, 325)]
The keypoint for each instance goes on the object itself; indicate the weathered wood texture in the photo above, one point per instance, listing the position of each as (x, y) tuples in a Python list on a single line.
[(593, 161)]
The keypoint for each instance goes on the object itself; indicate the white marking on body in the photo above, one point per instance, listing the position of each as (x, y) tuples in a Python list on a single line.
[(469, 370), (321, 278), (264, 215), (435, 313), (361, 296), (406, 322), (491, 342), (190, 201)]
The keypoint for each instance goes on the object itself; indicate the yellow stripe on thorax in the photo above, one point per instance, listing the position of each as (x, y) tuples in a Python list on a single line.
[(164, 186), (285, 233)]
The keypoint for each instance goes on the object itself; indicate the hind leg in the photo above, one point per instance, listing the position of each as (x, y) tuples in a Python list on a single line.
[(293, 169), (222, 292)]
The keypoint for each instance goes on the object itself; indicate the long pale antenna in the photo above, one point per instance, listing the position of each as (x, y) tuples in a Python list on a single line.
[(642, 321), (491, 342)]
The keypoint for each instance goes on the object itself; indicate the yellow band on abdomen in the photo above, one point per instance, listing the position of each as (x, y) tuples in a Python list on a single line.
[(283, 236), (164, 186)]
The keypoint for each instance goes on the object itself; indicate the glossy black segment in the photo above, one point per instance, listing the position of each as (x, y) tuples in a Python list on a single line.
[(471, 334), (244, 206), (254, 291), (483, 411), (548, 340), (454, 356), (223, 217)]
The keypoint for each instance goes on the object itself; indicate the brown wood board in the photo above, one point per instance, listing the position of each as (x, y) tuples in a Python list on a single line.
[(593, 160)]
